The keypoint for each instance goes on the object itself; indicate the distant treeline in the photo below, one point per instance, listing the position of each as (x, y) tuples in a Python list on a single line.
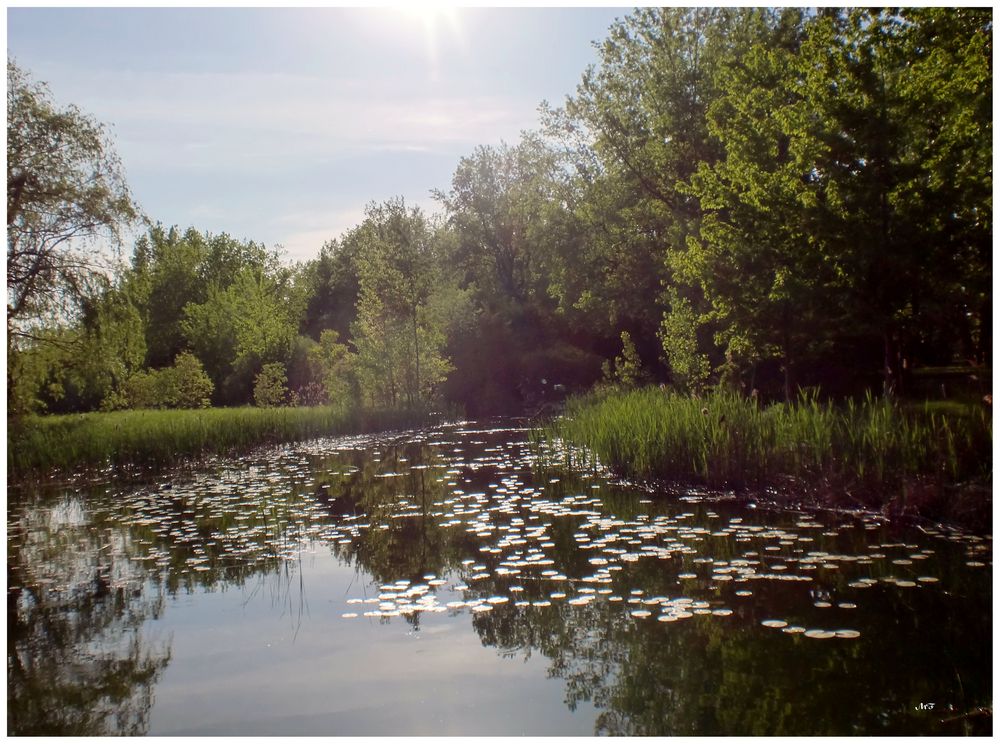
[(732, 198)]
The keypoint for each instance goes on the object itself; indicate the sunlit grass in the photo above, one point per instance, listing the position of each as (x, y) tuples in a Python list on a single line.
[(150, 438), (730, 441)]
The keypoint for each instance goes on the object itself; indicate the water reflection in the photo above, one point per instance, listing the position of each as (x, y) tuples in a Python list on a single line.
[(688, 615), (77, 660)]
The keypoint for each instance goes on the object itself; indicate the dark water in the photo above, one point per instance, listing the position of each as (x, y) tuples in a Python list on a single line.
[(444, 582)]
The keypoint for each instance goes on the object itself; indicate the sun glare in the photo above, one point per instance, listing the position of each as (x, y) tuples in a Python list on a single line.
[(428, 13), (435, 20)]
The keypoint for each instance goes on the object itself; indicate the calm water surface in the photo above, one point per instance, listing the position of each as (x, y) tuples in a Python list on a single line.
[(460, 581)]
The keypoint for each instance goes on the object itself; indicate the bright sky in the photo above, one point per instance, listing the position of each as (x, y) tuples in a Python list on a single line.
[(279, 125)]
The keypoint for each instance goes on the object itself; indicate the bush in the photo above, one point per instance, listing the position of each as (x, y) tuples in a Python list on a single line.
[(190, 385), (270, 389), (184, 385)]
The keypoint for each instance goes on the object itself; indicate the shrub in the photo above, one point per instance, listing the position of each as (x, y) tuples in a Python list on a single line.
[(270, 388), (184, 385), (191, 386)]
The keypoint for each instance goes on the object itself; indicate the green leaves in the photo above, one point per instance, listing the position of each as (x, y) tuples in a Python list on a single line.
[(65, 190), (239, 329), (398, 343)]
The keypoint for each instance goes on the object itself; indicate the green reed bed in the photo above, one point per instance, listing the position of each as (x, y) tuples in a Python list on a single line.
[(152, 438), (726, 440)]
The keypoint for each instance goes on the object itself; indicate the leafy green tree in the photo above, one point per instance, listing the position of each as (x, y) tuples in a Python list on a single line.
[(759, 258), (398, 345), (331, 289), (948, 89), (192, 386), (626, 370), (640, 117), (270, 386), (332, 359), (172, 269), (905, 192), (67, 202), (513, 236), (65, 191), (855, 64), (499, 200), (77, 367), (239, 329), (182, 385)]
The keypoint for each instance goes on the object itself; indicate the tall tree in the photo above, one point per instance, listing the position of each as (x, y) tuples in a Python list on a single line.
[(67, 203), (499, 202), (239, 329), (758, 258), (644, 109), (65, 192), (398, 344), (903, 102)]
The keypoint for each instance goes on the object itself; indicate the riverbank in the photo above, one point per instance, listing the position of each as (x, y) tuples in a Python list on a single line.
[(930, 461), (143, 439)]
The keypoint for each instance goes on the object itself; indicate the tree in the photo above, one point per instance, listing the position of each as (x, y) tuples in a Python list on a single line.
[(515, 241), (499, 200), (626, 369), (183, 385), (759, 257), (397, 340), (949, 92), (64, 368), (643, 109), (331, 287), (332, 361), (903, 109), (240, 328), (270, 387), (66, 198)]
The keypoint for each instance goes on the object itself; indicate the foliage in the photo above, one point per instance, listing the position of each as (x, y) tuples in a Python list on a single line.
[(398, 342), (270, 388), (767, 199), (239, 329), (732, 441), (689, 368), (152, 438), (183, 385), (65, 191), (626, 370), (333, 362)]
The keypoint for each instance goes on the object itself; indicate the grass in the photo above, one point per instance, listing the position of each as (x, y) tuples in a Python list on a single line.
[(39, 445), (873, 447)]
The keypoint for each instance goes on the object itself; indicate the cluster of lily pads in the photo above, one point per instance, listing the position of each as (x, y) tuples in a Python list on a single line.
[(712, 557)]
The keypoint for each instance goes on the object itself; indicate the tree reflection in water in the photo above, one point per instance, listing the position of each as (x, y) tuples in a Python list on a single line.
[(86, 574), (77, 662), (706, 675)]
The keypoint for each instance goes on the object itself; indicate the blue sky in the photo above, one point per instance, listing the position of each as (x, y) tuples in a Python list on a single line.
[(280, 125)]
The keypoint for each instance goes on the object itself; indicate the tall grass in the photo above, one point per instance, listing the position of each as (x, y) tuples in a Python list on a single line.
[(152, 438), (730, 441)]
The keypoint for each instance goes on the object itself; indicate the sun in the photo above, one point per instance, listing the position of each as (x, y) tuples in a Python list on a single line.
[(436, 20), (431, 15)]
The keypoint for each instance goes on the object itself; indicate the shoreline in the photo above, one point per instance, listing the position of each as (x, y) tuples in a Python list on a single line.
[(902, 463)]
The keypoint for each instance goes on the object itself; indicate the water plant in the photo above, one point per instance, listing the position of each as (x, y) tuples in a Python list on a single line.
[(154, 438), (726, 440)]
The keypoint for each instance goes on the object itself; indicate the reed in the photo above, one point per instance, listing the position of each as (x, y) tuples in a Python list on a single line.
[(154, 438), (725, 440)]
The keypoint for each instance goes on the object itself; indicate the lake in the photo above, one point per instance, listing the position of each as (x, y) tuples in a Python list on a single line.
[(463, 580)]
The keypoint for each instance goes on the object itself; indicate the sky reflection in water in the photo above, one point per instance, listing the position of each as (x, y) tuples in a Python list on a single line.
[(459, 581)]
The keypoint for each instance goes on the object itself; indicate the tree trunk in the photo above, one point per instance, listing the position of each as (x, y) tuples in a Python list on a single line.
[(416, 352)]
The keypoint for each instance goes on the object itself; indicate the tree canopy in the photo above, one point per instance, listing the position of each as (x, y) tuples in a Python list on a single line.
[(751, 198), (67, 201)]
